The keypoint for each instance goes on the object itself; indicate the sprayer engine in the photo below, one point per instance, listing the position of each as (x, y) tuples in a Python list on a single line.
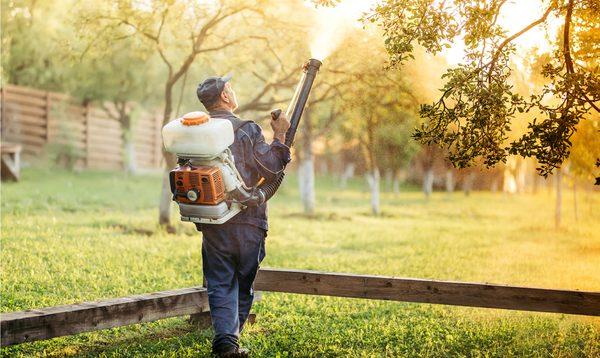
[(197, 185)]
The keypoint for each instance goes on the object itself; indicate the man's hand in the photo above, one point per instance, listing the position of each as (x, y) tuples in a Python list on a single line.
[(280, 126)]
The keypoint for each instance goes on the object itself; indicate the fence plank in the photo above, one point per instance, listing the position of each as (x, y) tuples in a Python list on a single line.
[(102, 133), (25, 326), (24, 100), (27, 91), (108, 157), (17, 109), (429, 291), (29, 120)]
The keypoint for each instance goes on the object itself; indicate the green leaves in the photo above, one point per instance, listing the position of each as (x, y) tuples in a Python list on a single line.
[(473, 115)]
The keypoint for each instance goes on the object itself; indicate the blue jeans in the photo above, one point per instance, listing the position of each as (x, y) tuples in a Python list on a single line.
[(231, 254)]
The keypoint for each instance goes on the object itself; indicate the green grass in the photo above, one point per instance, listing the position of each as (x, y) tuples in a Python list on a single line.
[(71, 237)]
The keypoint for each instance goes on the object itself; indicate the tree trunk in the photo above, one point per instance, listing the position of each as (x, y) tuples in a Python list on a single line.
[(558, 208), (428, 182), (494, 185), (130, 153), (323, 166), (306, 168), (396, 182), (449, 181), (468, 183), (389, 175), (521, 176), (166, 199), (347, 174), (306, 182), (164, 208), (374, 180)]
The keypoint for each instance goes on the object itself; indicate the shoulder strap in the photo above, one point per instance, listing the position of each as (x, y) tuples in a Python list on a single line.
[(238, 123), (235, 120)]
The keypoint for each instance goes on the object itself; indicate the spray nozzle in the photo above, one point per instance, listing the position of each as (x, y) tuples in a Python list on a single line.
[(275, 114)]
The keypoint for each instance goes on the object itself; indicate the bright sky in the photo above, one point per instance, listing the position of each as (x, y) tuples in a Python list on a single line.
[(515, 15)]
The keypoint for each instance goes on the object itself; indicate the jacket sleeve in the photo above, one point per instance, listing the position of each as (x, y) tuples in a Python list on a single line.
[(270, 159)]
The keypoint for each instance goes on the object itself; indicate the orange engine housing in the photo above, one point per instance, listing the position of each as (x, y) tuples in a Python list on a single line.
[(201, 185)]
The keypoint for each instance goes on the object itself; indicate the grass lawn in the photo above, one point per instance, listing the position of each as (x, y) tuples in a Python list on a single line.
[(72, 237)]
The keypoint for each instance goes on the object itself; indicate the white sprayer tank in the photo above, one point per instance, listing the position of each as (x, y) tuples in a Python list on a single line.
[(197, 135)]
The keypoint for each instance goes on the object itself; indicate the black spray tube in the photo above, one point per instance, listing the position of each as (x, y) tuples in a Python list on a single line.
[(294, 113)]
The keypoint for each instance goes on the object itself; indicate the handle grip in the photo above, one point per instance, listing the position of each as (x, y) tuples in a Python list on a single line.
[(275, 114)]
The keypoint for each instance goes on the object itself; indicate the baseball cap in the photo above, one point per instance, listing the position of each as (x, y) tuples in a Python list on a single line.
[(209, 91)]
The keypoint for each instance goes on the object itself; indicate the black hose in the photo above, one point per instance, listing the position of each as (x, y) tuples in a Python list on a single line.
[(269, 189)]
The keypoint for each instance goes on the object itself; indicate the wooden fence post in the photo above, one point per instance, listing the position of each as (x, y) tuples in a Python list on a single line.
[(88, 139)]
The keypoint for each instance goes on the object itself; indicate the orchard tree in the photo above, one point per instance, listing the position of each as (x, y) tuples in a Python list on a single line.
[(121, 76), (375, 100), (394, 146), (473, 115), (181, 32)]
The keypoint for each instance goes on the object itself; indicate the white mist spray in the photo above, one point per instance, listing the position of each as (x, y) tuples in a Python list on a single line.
[(333, 23)]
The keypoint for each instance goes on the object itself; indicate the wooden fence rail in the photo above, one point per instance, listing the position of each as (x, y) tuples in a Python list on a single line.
[(429, 291), (27, 326), (35, 118)]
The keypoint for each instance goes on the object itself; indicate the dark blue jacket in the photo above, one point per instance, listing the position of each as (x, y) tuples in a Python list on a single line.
[(254, 159)]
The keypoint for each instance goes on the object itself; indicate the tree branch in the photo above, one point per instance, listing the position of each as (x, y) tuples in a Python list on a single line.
[(566, 38), (516, 35)]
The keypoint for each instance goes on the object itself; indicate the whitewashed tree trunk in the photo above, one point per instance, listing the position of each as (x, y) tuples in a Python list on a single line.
[(306, 182), (323, 166), (521, 176), (558, 208), (389, 175), (130, 154), (374, 180), (396, 183), (449, 180), (347, 174), (510, 183), (164, 207), (494, 185), (468, 183), (306, 169), (428, 182)]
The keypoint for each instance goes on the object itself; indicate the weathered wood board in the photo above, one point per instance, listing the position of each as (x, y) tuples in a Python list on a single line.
[(429, 291)]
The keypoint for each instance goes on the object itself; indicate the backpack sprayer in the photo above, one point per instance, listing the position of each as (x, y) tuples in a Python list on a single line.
[(206, 184)]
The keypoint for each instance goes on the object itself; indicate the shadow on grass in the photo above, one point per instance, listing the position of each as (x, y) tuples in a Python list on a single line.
[(144, 340), (319, 216)]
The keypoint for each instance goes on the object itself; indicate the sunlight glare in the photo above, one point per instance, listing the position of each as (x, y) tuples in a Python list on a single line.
[(332, 23)]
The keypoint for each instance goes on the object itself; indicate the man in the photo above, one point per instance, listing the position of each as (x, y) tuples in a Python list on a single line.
[(232, 252)]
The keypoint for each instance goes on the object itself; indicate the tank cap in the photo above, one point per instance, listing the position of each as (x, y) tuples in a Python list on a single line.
[(194, 118)]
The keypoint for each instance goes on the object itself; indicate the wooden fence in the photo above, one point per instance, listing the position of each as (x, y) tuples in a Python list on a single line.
[(35, 119), (32, 325)]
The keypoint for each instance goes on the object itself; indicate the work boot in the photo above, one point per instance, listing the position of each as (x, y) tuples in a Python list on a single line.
[(234, 353)]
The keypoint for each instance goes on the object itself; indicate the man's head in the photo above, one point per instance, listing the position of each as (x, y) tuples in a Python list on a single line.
[(216, 93)]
